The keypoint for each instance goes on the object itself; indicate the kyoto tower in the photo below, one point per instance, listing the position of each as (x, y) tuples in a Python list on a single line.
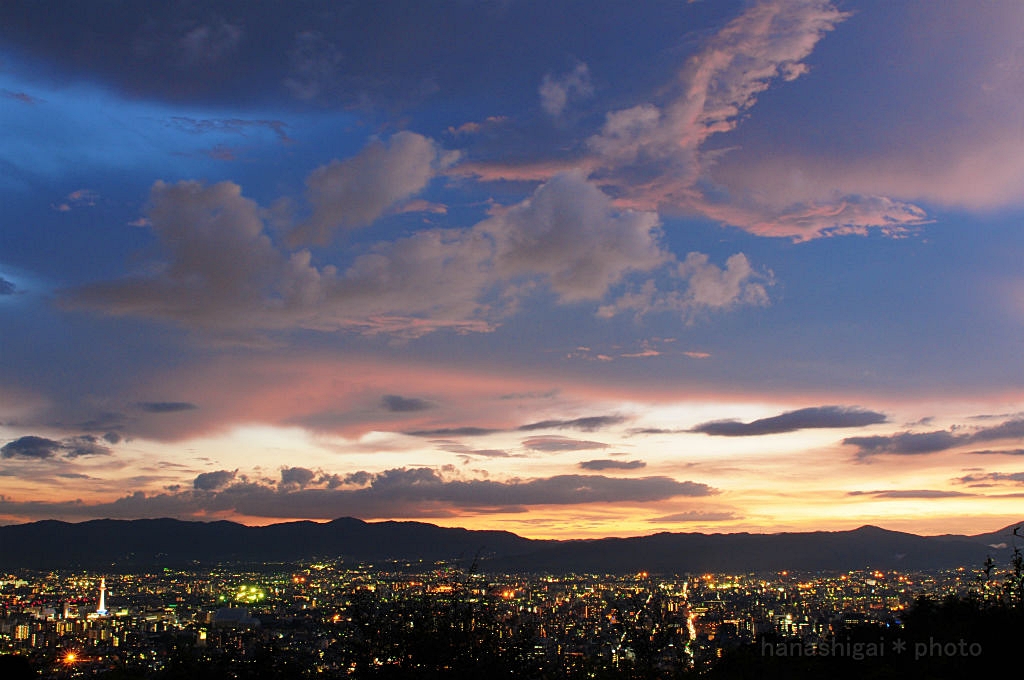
[(102, 609)]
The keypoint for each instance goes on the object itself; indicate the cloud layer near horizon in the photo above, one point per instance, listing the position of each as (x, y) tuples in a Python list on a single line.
[(423, 492)]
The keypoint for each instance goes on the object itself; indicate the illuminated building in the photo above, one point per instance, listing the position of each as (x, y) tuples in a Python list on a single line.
[(102, 609)]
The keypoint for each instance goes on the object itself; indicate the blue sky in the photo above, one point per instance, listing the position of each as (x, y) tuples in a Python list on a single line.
[(496, 264)]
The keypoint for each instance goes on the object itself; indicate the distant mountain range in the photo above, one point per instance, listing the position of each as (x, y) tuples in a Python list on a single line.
[(117, 545)]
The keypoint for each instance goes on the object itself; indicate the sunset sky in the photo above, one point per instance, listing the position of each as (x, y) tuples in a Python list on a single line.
[(568, 269)]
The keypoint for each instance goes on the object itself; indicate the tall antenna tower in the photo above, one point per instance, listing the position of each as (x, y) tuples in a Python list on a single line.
[(102, 609)]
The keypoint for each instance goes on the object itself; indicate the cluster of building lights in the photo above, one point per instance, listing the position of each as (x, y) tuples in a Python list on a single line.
[(249, 594)]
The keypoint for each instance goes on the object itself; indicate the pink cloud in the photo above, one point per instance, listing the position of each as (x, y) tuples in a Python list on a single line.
[(420, 205), (642, 354), (653, 154), (328, 393), (533, 171), (951, 135), (473, 127), (80, 198), (983, 172), (222, 152), (853, 214)]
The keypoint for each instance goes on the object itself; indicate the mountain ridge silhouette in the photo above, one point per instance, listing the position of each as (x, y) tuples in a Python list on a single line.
[(132, 544)]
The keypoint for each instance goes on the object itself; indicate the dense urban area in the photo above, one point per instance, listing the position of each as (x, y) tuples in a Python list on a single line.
[(382, 620)]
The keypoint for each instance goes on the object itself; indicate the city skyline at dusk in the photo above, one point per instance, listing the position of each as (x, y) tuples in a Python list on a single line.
[(568, 270)]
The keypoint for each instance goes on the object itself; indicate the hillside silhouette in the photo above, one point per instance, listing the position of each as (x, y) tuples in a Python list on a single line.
[(134, 544)]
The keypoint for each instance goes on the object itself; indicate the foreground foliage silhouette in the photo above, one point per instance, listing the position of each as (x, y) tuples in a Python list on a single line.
[(977, 635), (954, 638)]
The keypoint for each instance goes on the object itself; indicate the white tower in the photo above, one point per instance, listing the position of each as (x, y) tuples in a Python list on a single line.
[(102, 609)]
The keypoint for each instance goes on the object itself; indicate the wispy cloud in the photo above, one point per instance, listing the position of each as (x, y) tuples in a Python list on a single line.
[(696, 516), (920, 494), (997, 452), (611, 464), (399, 404), (22, 97), (166, 406), (473, 127), (453, 432), (556, 444), (918, 443), (586, 424), (315, 66), (655, 155), (990, 478), (802, 419), (237, 126), (208, 43), (80, 198), (556, 92)]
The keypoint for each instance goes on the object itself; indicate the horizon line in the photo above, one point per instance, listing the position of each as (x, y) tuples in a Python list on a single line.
[(439, 526)]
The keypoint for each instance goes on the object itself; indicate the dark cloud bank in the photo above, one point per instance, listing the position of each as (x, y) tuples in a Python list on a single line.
[(41, 448)]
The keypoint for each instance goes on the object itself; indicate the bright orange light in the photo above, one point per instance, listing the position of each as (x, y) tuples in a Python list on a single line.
[(70, 657)]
